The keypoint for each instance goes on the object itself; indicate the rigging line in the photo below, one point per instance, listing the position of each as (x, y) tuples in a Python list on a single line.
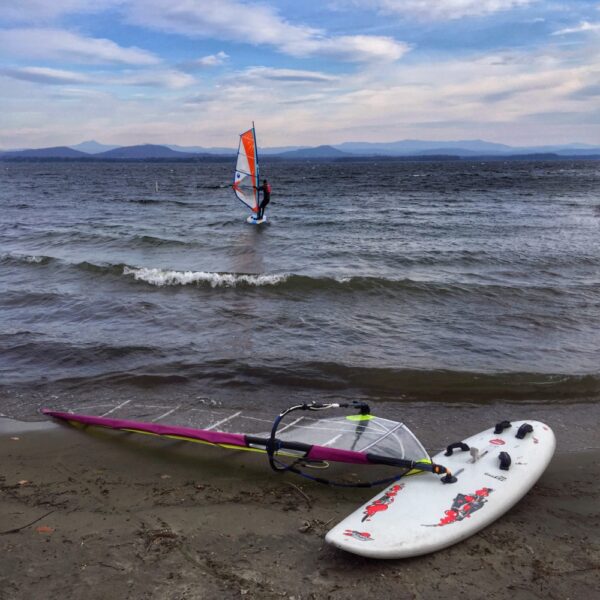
[(399, 440), (149, 405), (381, 438), (345, 428), (112, 410), (360, 429), (165, 414), (223, 420), (92, 406), (332, 440), (249, 418), (416, 440), (290, 424)]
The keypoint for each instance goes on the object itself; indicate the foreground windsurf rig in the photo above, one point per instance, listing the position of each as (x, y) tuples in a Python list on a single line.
[(491, 470), (305, 443)]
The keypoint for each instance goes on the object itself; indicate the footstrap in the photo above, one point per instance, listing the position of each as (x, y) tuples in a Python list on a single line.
[(505, 461), (524, 430), (456, 446), (500, 427)]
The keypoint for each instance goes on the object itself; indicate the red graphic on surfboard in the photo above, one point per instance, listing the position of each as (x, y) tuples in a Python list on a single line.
[(497, 442), (363, 536), (463, 506), (382, 503)]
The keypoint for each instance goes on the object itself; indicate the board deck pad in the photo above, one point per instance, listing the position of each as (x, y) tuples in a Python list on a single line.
[(419, 514)]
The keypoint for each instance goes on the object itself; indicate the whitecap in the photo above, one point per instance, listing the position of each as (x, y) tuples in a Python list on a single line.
[(163, 277)]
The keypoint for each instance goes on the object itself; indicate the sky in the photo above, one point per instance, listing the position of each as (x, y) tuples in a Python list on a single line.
[(310, 72)]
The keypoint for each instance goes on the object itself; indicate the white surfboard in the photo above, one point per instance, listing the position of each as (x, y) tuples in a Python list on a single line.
[(254, 221), (420, 514)]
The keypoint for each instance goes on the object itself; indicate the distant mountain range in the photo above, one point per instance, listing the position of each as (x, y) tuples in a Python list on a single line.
[(230, 151), (142, 152), (318, 152), (463, 148), (92, 150), (93, 147), (54, 152)]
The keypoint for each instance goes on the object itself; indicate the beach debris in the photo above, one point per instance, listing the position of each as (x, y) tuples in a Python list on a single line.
[(23, 482), (164, 537), (15, 438), (44, 529), (17, 529), (305, 496), (314, 526), (306, 526)]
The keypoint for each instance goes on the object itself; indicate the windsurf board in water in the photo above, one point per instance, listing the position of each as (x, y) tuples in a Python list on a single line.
[(419, 514), (254, 221)]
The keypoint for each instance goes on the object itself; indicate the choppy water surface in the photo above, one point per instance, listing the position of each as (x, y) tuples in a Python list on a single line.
[(404, 282)]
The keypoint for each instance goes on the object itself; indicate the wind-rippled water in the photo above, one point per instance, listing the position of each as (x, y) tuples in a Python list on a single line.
[(398, 281)]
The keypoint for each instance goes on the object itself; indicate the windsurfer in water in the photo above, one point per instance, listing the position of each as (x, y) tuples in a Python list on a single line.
[(265, 188)]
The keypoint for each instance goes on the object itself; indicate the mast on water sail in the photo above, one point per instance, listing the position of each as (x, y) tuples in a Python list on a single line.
[(246, 178)]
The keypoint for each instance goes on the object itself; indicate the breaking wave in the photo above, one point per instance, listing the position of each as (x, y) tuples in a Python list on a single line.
[(9, 257), (162, 277), (289, 282)]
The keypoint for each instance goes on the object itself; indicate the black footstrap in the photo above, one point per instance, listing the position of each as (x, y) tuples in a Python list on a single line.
[(504, 461), (524, 430), (456, 446), (500, 427)]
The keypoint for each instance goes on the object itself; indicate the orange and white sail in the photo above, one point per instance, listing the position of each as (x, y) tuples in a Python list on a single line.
[(245, 181)]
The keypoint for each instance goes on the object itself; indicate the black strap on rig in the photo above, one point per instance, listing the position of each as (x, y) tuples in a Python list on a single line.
[(274, 445)]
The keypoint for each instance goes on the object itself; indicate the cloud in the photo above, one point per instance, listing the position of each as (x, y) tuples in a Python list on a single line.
[(45, 75), (167, 78), (206, 62), (231, 20), (582, 27), (284, 75), (41, 11), (441, 9), (362, 48), (458, 95), (212, 60), (59, 44), (587, 91), (257, 24)]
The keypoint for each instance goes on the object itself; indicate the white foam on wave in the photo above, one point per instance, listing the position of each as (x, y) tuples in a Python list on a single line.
[(22, 257), (162, 277), (33, 259)]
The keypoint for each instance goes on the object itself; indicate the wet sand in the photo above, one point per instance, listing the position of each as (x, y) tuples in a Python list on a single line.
[(96, 514)]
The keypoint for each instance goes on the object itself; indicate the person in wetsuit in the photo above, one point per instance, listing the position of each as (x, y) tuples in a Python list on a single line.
[(265, 188)]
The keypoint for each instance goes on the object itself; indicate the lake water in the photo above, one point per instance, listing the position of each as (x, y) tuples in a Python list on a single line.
[(395, 282)]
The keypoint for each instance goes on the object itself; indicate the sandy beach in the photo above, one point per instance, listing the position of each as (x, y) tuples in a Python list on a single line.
[(97, 514)]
